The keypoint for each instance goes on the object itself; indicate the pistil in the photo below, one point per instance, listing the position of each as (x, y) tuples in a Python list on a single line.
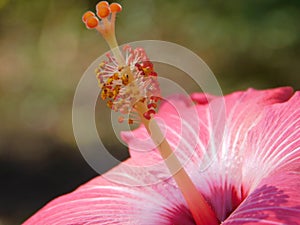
[(127, 89)]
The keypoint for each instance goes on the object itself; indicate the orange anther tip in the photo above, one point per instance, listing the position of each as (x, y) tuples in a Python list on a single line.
[(86, 15), (115, 7), (92, 22), (103, 11)]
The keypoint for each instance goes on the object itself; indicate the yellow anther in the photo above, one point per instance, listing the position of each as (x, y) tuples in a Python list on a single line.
[(125, 79), (147, 70), (109, 80), (102, 65), (104, 93), (116, 91), (109, 103), (116, 76)]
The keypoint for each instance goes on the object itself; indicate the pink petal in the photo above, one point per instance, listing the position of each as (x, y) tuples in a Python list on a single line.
[(256, 128), (270, 170), (262, 135), (275, 201), (103, 202), (139, 191), (180, 123)]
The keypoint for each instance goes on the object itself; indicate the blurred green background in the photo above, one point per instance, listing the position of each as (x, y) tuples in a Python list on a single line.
[(45, 48)]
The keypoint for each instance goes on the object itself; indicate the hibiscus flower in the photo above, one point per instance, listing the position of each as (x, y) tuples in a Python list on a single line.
[(188, 165), (254, 179)]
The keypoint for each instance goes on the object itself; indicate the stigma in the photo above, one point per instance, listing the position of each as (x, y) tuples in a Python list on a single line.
[(106, 25)]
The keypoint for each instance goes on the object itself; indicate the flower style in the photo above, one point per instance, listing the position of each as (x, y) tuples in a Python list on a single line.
[(253, 171), (255, 178)]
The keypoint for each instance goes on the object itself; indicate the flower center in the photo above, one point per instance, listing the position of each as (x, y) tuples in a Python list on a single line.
[(129, 84), (122, 94)]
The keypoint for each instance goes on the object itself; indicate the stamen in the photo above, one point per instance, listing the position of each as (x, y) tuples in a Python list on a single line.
[(129, 85), (148, 114), (124, 86)]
